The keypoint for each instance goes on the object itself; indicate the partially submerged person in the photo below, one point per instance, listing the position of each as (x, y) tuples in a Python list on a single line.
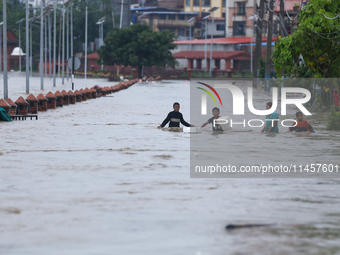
[(301, 125), (175, 117), (271, 125), (216, 113)]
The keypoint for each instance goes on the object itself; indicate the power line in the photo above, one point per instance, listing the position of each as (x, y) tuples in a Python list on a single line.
[(331, 18), (297, 15)]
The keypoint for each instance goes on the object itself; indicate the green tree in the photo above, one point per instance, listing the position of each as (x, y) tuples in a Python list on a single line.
[(137, 46), (317, 40)]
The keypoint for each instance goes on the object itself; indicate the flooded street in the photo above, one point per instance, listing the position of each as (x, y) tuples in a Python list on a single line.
[(98, 177)]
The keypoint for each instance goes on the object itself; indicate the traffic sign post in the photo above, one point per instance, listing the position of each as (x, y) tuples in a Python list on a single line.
[(73, 63)]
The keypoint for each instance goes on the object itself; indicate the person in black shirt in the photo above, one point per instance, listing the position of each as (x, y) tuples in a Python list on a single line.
[(175, 117), (216, 113)]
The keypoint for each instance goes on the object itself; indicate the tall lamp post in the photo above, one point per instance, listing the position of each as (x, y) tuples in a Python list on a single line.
[(211, 45), (0, 43), (19, 22), (86, 43), (101, 34), (205, 42), (251, 43), (41, 45), (54, 40), (5, 49), (189, 20), (27, 51)]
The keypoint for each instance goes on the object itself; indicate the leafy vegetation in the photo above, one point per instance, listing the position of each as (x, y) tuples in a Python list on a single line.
[(317, 40), (334, 119), (137, 46)]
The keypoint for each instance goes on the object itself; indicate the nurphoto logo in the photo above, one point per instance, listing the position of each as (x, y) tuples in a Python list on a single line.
[(239, 100)]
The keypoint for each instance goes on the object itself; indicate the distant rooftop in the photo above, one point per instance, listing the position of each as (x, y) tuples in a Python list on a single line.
[(224, 40)]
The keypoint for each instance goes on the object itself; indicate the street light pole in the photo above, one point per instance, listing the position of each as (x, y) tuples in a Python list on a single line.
[(226, 18), (251, 42), (31, 52), (45, 48), (5, 49), (86, 43), (71, 29), (189, 20), (27, 52), (205, 42), (101, 35), (54, 41), (1, 32), (63, 51), (121, 15), (211, 45), (67, 40), (19, 48), (49, 44), (41, 45), (19, 22)]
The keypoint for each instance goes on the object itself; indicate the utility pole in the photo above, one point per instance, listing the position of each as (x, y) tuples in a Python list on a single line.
[(258, 41), (282, 20), (269, 40)]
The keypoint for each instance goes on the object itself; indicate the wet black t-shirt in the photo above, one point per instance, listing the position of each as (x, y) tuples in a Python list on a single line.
[(217, 126), (175, 118)]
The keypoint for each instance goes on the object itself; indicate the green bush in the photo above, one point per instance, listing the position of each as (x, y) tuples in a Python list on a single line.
[(334, 119)]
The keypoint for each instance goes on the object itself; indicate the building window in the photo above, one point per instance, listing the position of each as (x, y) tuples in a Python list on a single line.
[(162, 16), (172, 16), (223, 15), (206, 3), (181, 17), (223, 3), (187, 2), (197, 3), (220, 27), (241, 8), (181, 32), (239, 28)]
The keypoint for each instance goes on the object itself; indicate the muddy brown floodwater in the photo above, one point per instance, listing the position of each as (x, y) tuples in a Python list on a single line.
[(99, 178)]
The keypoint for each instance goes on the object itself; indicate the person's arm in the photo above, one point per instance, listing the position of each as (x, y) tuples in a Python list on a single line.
[(291, 129), (184, 122), (167, 119), (205, 123), (310, 128)]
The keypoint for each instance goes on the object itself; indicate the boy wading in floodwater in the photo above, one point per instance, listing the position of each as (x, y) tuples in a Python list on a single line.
[(175, 117), (301, 125), (216, 113)]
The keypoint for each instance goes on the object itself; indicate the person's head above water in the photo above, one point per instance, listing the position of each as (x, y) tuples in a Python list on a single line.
[(299, 116), (176, 107), (269, 105), (216, 111)]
